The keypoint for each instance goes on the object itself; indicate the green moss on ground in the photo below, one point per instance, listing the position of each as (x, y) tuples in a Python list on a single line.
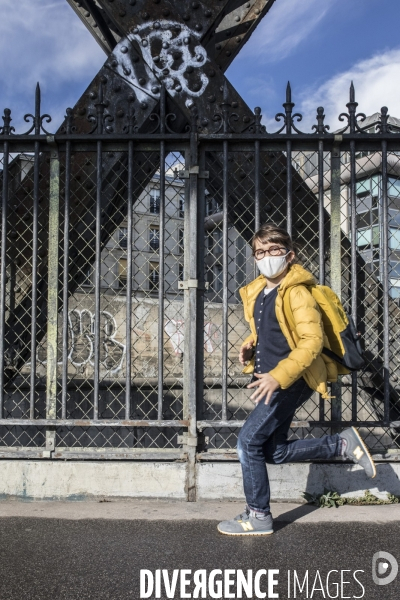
[(331, 499)]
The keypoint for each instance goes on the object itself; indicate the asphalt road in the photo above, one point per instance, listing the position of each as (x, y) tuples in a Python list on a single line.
[(54, 559)]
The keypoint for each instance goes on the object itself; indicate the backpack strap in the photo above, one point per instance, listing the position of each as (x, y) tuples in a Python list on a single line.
[(332, 355)]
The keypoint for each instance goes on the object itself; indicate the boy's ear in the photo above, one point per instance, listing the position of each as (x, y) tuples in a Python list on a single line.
[(292, 257)]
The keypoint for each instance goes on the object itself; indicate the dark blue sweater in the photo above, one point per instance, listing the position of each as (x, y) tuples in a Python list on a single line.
[(272, 346)]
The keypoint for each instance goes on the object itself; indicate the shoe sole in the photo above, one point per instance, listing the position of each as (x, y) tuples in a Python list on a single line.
[(247, 532), (364, 447)]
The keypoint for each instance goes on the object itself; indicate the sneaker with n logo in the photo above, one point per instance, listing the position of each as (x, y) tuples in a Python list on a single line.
[(355, 450), (247, 523)]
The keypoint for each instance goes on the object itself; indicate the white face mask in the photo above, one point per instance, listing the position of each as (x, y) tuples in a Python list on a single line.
[(272, 266)]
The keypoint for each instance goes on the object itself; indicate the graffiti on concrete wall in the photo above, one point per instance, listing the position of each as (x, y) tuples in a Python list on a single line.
[(82, 335), (175, 330)]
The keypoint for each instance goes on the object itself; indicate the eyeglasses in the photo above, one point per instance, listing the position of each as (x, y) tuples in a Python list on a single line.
[(273, 251)]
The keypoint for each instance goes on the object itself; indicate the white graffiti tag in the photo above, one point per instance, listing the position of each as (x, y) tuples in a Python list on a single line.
[(82, 334), (175, 331), (173, 52)]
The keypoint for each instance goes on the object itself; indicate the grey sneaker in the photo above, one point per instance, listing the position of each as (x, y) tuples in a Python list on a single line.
[(247, 524), (356, 451)]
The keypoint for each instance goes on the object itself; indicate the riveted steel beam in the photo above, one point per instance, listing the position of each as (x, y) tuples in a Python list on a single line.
[(97, 22), (232, 25), (235, 29)]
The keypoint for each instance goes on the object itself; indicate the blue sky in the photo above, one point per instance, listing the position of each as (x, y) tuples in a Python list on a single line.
[(319, 45)]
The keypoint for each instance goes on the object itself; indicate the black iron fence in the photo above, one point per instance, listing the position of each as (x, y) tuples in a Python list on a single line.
[(123, 247)]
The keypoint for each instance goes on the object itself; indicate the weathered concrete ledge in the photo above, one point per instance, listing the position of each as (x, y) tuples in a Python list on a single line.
[(96, 480)]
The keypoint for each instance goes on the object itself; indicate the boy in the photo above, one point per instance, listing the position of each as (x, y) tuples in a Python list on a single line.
[(288, 367)]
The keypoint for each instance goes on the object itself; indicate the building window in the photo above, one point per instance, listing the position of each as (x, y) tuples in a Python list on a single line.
[(394, 238), (369, 186), (123, 237), (154, 237), (394, 289), (217, 235), (181, 205), (212, 206), (155, 201), (122, 272), (180, 241), (180, 272), (367, 237), (363, 204), (218, 278), (394, 269), (154, 276), (88, 277), (394, 187), (394, 217)]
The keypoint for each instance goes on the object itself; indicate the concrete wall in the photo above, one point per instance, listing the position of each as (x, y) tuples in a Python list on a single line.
[(86, 480), (288, 482)]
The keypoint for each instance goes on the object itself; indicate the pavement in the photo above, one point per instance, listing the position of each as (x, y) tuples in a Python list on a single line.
[(96, 550), (156, 510)]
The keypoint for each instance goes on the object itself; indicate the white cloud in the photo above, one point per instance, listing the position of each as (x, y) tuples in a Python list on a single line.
[(376, 85), (44, 41), (286, 25)]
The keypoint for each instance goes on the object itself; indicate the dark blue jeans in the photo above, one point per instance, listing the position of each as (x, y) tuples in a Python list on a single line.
[(263, 438)]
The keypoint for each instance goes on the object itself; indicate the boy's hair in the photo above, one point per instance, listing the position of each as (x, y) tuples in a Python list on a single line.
[(270, 232)]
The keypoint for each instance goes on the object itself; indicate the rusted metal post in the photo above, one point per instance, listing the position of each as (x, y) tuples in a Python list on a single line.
[(190, 374), (52, 292)]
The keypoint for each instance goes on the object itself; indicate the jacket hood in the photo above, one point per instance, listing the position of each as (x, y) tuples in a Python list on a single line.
[(296, 275)]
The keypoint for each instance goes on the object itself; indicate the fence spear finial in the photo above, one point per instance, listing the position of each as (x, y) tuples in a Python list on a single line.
[(37, 109), (352, 92), (6, 129), (288, 92)]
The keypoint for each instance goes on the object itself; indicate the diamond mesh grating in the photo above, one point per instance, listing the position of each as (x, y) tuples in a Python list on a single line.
[(28, 217)]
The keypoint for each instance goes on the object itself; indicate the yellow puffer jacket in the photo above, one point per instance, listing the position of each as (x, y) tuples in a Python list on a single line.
[(306, 339)]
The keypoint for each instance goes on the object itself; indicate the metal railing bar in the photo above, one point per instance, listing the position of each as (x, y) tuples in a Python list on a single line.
[(158, 454), (93, 423), (52, 290), (128, 356), (161, 277), (67, 198), (308, 138), (225, 249), (137, 383), (298, 424), (289, 188), (34, 280), (336, 267), (321, 241), (257, 165), (3, 270), (97, 270), (353, 265), (384, 230)]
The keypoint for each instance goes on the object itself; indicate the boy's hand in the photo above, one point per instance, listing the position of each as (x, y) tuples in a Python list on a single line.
[(265, 386), (246, 352)]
